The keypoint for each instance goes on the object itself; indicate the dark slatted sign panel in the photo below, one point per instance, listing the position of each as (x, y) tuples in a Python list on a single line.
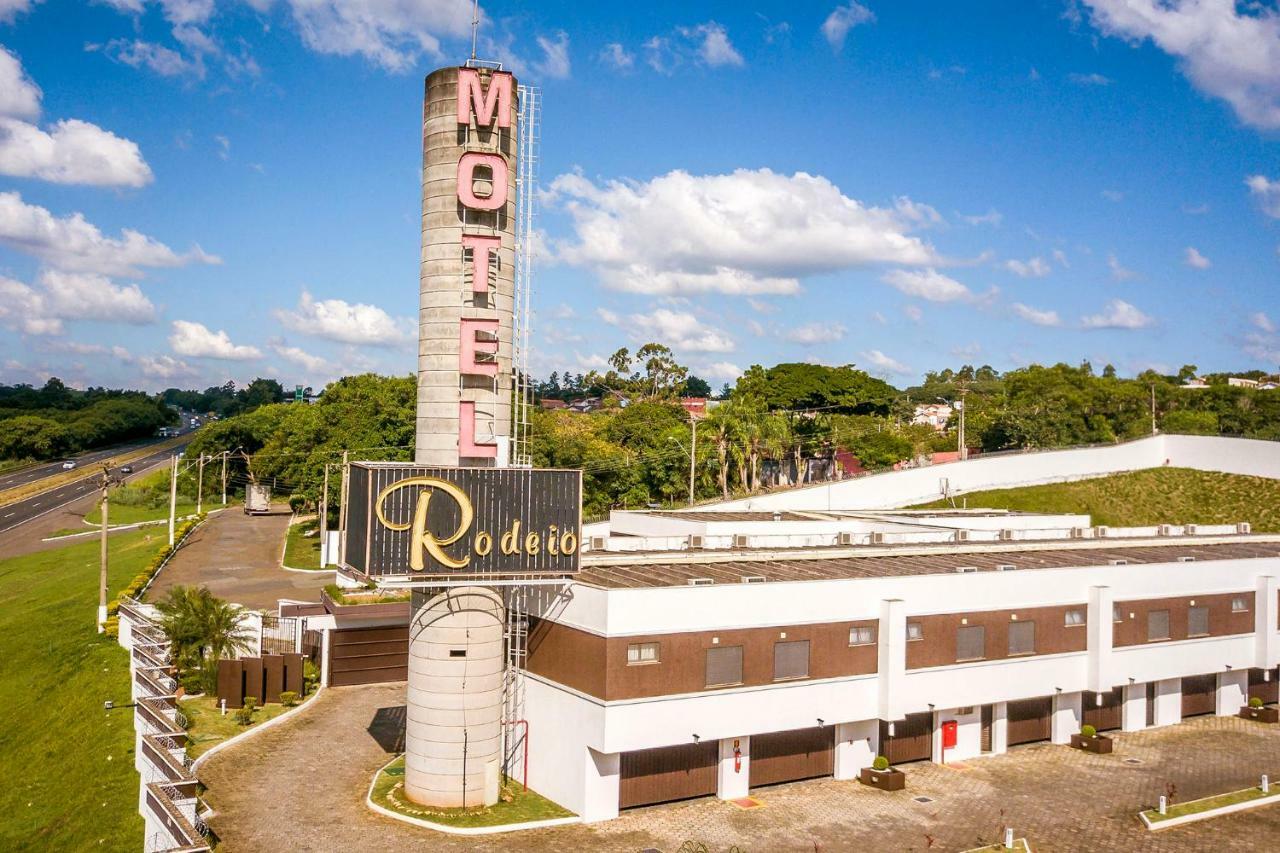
[(407, 519), (1029, 720), (667, 773), (1107, 716), (1268, 690), (792, 755), (912, 739), (368, 655), (1199, 695)]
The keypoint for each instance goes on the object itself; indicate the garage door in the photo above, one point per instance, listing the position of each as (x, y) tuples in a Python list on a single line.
[(1267, 691), (791, 755), (1107, 716), (912, 739), (668, 773), (368, 655), (1029, 720), (1198, 695)]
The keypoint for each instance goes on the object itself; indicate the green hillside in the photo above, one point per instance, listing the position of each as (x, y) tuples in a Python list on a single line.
[(1154, 496)]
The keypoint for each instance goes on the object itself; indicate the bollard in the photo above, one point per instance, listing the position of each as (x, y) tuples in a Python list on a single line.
[(1008, 838), (1266, 784), (1164, 803), (224, 707)]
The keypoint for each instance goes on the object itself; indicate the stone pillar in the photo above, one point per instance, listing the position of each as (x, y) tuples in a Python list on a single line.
[(1168, 701), (891, 637), (857, 745), (999, 728), (1133, 713), (1068, 711), (1100, 625), (600, 786), (1267, 654), (733, 783), (1232, 693)]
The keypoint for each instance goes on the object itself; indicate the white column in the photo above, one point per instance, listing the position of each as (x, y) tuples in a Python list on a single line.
[(1168, 701), (600, 786), (1101, 601), (999, 728), (1264, 624), (325, 642), (1068, 710), (1232, 693), (733, 773), (1133, 713), (891, 639), (857, 745)]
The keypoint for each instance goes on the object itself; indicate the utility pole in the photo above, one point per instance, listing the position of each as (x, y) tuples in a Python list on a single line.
[(102, 552), (1153, 408), (200, 487), (324, 515), (693, 453), (224, 478), (342, 509), (173, 496), (964, 451)]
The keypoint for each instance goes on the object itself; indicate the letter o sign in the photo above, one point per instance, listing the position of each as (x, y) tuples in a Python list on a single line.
[(466, 181)]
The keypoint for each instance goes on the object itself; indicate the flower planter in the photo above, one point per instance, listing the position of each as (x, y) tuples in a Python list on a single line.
[(1261, 715), (885, 780), (1101, 744)]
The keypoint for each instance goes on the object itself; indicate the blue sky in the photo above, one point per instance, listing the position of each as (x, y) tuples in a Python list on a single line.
[(193, 190)]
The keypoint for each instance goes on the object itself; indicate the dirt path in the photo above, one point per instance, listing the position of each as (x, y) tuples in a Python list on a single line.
[(238, 557)]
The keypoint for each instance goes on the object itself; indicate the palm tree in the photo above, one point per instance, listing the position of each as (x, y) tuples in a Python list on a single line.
[(202, 629)]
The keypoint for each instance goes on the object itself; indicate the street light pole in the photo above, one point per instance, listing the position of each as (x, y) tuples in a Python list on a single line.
[(173, 496), (224, 478), (102, 555), (693, 454), (200, 487)]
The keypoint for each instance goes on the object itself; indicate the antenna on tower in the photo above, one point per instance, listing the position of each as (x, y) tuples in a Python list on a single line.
[(475, 25)]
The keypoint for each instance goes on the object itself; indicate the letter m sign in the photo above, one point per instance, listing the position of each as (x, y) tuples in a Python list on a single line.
[(473, 98)]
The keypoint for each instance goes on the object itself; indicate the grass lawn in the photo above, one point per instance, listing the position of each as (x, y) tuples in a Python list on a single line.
[(388, 792), (208, 727), (1141, 498), (126, 514), (303, 552), (1214, 802), (67, 765), (145, 498)]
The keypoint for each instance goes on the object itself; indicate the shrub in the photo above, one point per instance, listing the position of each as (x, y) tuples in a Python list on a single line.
[(251, 702), (1255, 702), (310, 676), (244, 716), (288, 698), (1088, 731), (297, 503), (881, 763)]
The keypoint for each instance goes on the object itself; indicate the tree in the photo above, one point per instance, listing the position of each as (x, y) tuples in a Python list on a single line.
[(663, 376), (202, 629), (1187, 373), (725, 427), (695, 387)]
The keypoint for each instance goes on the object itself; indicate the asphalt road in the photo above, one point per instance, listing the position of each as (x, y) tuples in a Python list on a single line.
[(14, 514)]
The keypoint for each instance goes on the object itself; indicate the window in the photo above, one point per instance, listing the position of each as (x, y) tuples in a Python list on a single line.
[(638, 653), (457, 653), (862, 636), (1075, 617), (1117, 615), (1198, 622), (790, 659), (724, 666), (915, 631), (1022, 638), (1239, 604), (1158, 625), (971, 642)]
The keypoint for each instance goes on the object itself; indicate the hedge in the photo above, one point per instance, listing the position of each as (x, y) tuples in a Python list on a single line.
[(140, 580)]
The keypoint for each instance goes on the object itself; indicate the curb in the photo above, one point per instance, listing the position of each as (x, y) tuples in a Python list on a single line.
[(1169, 823), (460, 830), (261, 727), (284, 549)]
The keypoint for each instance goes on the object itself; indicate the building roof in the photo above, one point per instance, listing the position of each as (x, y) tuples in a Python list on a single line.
[(725, 567)]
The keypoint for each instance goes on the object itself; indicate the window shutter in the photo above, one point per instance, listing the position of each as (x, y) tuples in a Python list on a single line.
[(791, 659), (1158, 625), (1197, 621), (971, 642), (1022, 638), (724, 666)]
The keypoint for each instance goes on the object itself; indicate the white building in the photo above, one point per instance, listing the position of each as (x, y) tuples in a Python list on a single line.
[(935, 415)]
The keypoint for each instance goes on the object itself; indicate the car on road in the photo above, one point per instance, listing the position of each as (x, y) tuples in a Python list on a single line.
[(126, 469), (68, 465)]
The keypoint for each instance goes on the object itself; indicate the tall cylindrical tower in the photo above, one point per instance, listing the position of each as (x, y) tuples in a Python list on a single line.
[(469, 138), (453, 735)]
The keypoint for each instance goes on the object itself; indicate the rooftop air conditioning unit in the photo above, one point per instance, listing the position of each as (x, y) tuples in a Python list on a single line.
[(1243, 527), (1186, 559), (1118, 562), (741, 541), (1006, 535), (877, 538), (962, 536), (1077, 533), (696, 541), (1100, 531), (753, 578), (965, 570), (1189, 530), (599, 543), (1005, 567), (846, 538), (700, 581)]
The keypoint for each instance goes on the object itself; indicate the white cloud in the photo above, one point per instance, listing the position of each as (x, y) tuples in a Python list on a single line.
[(74, 244), (610, 317), (1229, 50), (1261, 321), (156, 58), (198, 341), (71, 152), (1119, 271), (19, 95), (60, 296), (884, 363), (308, 361), (1197, 260), (714, 47), (920, 215), (616, 55), (224, 147), (23, 309), (1092, 79), (1117, 315), (1061, 258), (815, 333), (1113, 195), (391, 33), (337, 320), (721, 371), (563, 311), (835, 29), (1267, 192), (756, 328), (164, 367), (927, 284), (555, 56), (914, 313), (678, 330), (745, 233), (1035, 315), (10, 9), (991, 217), (1033, 268)]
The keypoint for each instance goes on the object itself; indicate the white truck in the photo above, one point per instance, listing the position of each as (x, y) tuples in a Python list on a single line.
[(257, 499)]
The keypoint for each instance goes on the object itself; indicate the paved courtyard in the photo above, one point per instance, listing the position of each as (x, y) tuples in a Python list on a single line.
[(301, 786)]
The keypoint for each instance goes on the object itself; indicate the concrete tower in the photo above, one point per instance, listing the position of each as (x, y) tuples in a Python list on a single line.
[(467, 282)]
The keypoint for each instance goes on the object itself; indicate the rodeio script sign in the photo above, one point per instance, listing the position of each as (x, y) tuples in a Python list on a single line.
[(419, 520)]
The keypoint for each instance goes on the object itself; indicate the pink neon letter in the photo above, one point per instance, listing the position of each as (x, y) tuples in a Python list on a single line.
[(480, 247), (467, 175), (471, 344), (467, 446), (472, 97)]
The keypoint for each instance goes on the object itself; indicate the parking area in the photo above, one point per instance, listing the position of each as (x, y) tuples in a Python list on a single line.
[(301, 786)]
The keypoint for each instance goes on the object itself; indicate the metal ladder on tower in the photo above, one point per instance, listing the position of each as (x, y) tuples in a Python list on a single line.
[(515, 727)]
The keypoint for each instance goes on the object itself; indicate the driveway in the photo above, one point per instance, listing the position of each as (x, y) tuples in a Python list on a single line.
[(301, 786), (238, 557)]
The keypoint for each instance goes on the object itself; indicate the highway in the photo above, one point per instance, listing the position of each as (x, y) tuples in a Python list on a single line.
[(15, 514)]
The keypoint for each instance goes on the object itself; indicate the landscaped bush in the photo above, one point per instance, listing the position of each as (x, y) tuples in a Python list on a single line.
[(310, 676), (111, 627), (881, 763), (1088, 731), (1255, 702), (244, 716), (288, 698), (297, 503), (251, 702)]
